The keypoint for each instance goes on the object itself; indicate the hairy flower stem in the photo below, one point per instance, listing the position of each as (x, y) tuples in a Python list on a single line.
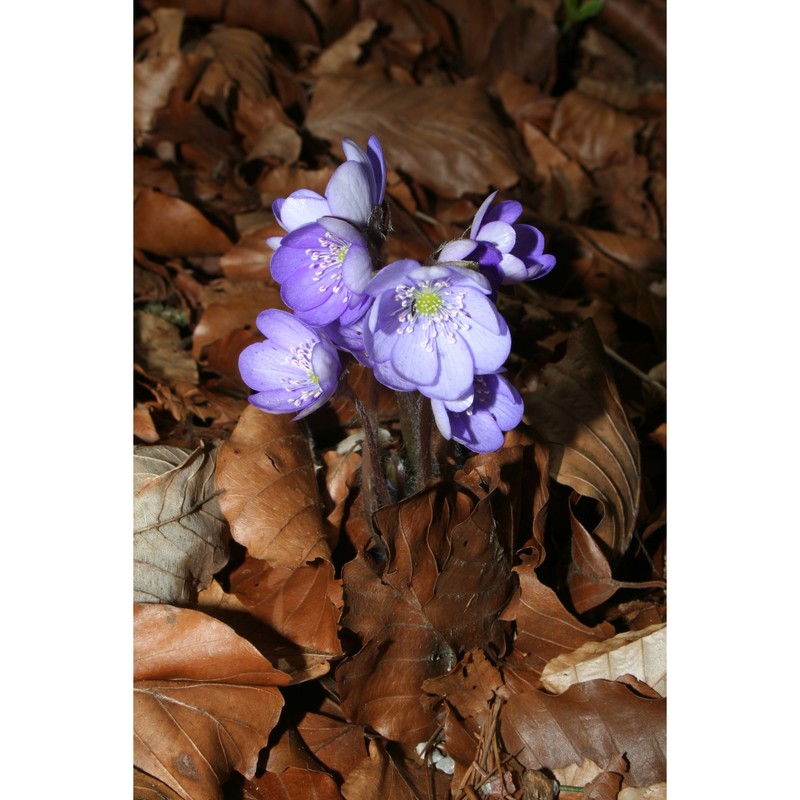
[(416, 419), (376, 493)]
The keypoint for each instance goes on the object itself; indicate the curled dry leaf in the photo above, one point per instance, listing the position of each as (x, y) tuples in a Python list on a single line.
[(545, 629), (639, 653), (205, 700), (596, 720), (446, 137), (593, 449), (271, 498), (170, 226), (180, 538), (589, 574), (439, 594)]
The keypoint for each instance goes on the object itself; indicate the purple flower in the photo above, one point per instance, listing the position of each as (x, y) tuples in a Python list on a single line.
[(506, 251), (353, 191), (296, 370), (496, 407), (324, 267), (433, 329)]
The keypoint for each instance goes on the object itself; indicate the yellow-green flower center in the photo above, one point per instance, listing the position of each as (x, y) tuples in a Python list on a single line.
[(427, 303), (312, 376)]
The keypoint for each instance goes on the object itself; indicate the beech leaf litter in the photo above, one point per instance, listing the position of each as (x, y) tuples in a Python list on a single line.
[(367, 566)]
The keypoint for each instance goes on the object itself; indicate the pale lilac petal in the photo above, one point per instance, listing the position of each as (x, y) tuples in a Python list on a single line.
[(263, 364), (489, 351), (479, 432), (500, 234), (391, 276), (282, 327), (274, 242), (482, 311), (457, 250), (505, 403), (441, 417), (508, 211), (455, 370), (378, 162), (388, 376), (412, 360), (325, 364), (477, 220), (349, 193), (357, 269), (300, 208), (514, 270)]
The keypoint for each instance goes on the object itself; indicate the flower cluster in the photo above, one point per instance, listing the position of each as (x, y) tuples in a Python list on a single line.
[(430, 328)]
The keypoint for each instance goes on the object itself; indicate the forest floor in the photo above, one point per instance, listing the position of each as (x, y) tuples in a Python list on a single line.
[(507, 620)]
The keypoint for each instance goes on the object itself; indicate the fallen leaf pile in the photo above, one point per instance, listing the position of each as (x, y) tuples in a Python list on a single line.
[(499, 632)]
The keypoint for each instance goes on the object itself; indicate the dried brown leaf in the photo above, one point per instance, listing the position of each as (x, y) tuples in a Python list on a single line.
[(243, 54), (339, 746), (145, 787), (545, 628), (438, 595), (378, 777), (639, 653), (589, 575), (284, 19), (567, 189), (170, 226), (157, 346), (290, 784), (469, 688), (640, 26), (658, 791), (300, 603), (627, 271), (267, 132), (344, 52), (525, 44), (229, 306), (592, 132), (446, 137), (593, 449), (165, 38), (205, 700), (596, 720), (271, 498), (153, 80), (180, 537), (283, 655)]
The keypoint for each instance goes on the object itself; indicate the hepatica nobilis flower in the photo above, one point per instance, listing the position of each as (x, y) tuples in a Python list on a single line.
[(323, 269), (496, 407), (430, 329), (433, 329), (506, 251), (295, 371), (354, 190)]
